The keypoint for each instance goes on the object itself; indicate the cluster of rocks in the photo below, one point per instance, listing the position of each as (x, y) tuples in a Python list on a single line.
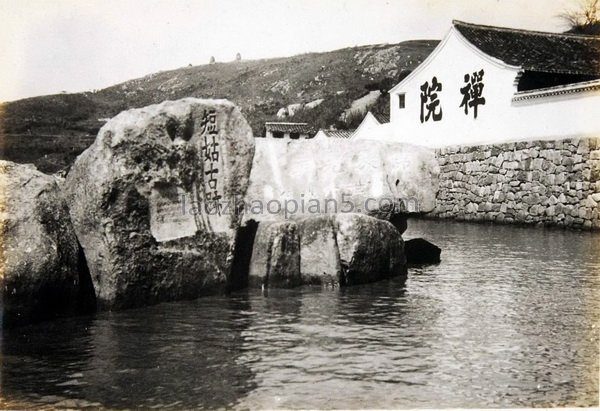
[(337, 217), (339, 249), (153, 211), (540, 182)]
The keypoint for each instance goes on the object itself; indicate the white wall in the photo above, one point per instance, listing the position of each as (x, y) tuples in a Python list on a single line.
[(500, 119), (572, 115), (320, 135), (367, 128), (379, 132), (344, 170)]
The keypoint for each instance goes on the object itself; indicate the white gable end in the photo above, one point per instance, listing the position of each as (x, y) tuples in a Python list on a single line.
[(367, 127), (428, 107), (448, 65)]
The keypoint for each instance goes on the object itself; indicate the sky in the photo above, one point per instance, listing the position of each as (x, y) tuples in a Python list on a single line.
[(53, 46)]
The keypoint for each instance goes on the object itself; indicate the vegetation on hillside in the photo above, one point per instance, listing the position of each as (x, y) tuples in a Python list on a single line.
[(261, 88)]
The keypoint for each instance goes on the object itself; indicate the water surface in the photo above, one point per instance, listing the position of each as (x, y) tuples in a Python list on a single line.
[(508, 319)]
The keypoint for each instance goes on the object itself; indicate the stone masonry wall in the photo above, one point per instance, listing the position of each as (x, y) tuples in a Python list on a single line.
[(555, 183)]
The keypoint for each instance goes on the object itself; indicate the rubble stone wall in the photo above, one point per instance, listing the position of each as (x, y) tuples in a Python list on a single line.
[(555, 183)]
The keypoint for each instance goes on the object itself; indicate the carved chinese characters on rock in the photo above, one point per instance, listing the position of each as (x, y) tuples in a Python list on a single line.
[(430, 102), (210, 158), (473, 92)]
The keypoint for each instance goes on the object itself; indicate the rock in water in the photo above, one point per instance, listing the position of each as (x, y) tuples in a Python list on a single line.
[(284, 267), (153, 200), (370, 249), (275, 258), (38, 248), (421, 251), (319, 254), (344, 249)]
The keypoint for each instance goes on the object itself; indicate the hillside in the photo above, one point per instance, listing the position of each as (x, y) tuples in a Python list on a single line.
[(317, 87)]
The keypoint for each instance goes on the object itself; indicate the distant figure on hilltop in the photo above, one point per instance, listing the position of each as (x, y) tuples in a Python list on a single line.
[(238, 57), (212, 60)]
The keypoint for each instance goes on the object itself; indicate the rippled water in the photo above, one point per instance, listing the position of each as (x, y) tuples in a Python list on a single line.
[(509, 318)]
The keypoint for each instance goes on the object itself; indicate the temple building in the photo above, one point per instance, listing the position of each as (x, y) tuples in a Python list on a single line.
[(486, 84), (294, 131)]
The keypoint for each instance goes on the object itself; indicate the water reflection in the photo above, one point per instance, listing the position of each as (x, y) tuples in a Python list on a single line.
[(171, 355), (508, 319), (38, 362)]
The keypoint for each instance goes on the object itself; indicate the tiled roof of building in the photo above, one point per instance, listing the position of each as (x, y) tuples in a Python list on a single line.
[(534, 50), (338, 133), (302, 128), (383, 119)]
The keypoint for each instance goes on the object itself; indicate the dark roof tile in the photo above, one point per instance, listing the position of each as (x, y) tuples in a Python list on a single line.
[(339, 133), (534, 50), (383, 119), (302, 128)]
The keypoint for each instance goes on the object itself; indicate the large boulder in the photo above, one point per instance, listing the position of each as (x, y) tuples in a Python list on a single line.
[(370, 249), (275, 258), (40, 263), (155, 200), (341, 249), (319, 254), (298, 178)]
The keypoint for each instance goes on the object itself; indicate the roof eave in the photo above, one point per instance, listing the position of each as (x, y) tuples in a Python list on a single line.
[(515, 30), (436, 51), (556, 71), (493, 60), (561, 90)]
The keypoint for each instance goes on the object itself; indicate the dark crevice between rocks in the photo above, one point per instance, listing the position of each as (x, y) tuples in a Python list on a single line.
[(342, 266), (86, 298), (400, 221), (265, 283), (242, 255)]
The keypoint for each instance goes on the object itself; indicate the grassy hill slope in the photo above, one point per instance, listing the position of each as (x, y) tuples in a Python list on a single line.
[(259, 87)]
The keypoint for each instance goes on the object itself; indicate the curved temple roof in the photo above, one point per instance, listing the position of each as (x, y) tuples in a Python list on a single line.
[(534, 50), (288, 127)]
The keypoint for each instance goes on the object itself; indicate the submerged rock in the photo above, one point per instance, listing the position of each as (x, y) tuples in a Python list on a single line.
[(276, 256), (143, 200), (344, 249), (40, 263), (421, 251), (292, 179), (319, 254)]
